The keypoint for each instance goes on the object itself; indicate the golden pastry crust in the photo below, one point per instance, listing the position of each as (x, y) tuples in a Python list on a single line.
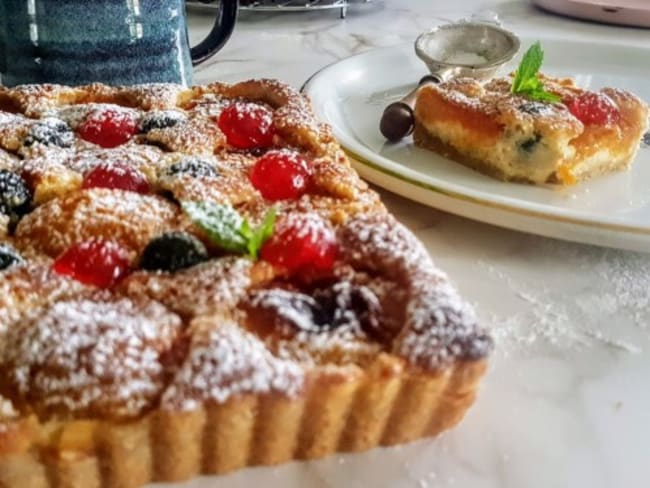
[(126, 217), (233, 361), (486, 127)]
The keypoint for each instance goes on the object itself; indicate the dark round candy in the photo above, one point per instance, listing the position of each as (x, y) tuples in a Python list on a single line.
[(51, 132), (173, 251), (194, 167), (161, 119), (397, 121), (15, 197), (9, 257)]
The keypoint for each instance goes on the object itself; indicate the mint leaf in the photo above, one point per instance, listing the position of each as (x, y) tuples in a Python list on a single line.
[(544, 96), (528, 67), (229, 230), (526, 81), (261, 234), (221, 223)]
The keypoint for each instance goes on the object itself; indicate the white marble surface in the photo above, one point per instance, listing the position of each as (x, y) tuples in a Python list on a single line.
[(566, 402)]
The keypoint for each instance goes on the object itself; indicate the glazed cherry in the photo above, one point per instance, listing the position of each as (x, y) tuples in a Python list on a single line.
[(108, 128), (247, 125), (593, 108), (301, 242), (116, 176), (281, 175), (96, 262)]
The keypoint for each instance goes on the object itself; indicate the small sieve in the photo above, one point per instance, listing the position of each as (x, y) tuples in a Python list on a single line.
[(462, 49)]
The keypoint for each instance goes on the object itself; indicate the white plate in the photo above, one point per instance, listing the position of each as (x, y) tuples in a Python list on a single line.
[(613, 210)]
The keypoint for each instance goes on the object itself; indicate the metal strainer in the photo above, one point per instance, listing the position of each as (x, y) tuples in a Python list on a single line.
[(463, 49)]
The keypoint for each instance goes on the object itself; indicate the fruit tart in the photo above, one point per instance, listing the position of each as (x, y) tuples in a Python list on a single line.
[(194, 280), (529, 127)]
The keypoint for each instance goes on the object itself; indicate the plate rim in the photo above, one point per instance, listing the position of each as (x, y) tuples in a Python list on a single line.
[(551, 215)]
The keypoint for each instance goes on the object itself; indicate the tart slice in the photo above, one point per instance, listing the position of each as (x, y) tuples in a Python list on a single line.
[(564, 136), (193, 281)]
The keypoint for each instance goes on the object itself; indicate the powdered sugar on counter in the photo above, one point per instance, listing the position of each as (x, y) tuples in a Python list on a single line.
[(586, 317)]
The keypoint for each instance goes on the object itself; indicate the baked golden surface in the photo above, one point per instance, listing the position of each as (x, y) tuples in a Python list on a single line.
[(507, 136), (233, 361)]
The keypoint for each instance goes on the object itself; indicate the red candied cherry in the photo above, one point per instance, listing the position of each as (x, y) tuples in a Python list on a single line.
[(593, 108), (281, 175), (96, 262), (108, 128), (116, 176), (301, 242), (247, 125)]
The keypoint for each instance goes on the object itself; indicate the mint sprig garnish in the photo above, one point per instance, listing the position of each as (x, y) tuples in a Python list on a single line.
[(227, 229), (258, 236), (527, 82)]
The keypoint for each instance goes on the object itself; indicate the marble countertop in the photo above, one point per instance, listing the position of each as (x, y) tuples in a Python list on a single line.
[(566, 402)]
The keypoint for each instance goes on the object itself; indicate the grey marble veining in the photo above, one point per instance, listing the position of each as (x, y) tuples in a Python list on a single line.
[(566, 402)]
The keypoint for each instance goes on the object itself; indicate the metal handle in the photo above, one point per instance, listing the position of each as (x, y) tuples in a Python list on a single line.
[(223, 26), (398, 118)]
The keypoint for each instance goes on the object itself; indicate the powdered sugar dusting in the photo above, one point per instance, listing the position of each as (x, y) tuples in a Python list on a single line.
[(127, 217), (381, 243), (225, 361), (7, 160), (31, 286), (144, 158), (206, 288), (440, 326), (593, 317), (74, 115), (92, 356)]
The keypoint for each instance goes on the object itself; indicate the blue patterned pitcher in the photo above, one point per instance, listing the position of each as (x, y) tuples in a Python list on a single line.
[(119, 42)]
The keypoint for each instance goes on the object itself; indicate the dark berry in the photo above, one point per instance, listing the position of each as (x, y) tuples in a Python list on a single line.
[(347, 304), (281, 175), (534, 108), (108, 128), (9, 257), (50, 132), (116, 176), (173, 251), (593, 108), (247, 125), (290, 310), (341, 304), (194, 167), (530, 144), (15, 196), (96, 262), (161, 119), (301, 242)]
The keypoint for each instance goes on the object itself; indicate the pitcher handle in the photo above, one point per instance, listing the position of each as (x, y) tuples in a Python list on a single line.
[(3, 33), (3, 58), (223, 26)]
